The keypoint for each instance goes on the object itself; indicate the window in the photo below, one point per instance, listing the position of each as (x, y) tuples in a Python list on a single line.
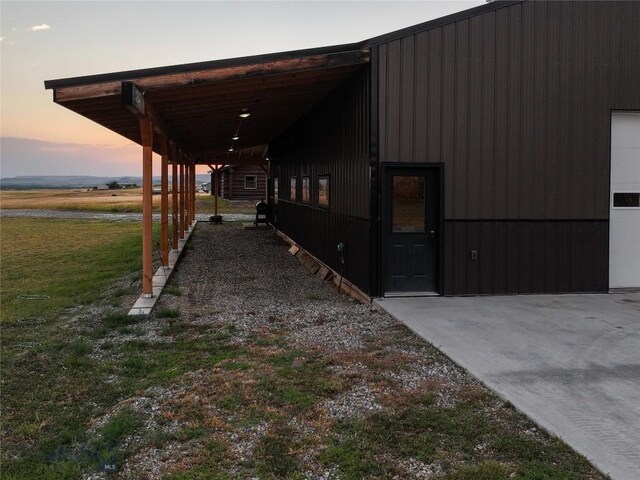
[(250, 182), (323, 191), (293, 193), (275, 190), (408, 204), (305, 190), (626, 200)]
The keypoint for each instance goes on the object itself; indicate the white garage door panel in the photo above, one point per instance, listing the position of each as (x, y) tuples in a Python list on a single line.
[(624, 230)]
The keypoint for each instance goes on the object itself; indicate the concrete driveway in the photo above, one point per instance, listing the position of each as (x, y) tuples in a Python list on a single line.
[(571, 363)]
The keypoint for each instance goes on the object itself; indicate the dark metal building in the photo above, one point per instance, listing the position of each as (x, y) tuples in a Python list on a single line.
[(502, 115), (493, 151)]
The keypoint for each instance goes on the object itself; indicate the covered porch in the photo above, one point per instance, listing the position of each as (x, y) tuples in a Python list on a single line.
[(210, 113)]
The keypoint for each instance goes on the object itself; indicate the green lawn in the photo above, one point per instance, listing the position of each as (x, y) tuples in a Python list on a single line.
[(49, 387)]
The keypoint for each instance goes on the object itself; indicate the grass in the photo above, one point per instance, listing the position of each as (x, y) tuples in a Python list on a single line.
[(106, 201), (49, 392), (71, 261)]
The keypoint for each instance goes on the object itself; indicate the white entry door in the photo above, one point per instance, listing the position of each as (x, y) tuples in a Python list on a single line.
[(624, 224)]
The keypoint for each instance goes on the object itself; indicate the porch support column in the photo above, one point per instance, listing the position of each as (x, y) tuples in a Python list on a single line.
[(217, 191), (164, 201), (181, 208), (187, 180), (146, 134), (193, 193), (174, 197)]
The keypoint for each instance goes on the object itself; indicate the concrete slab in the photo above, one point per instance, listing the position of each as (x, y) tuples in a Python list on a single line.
[(143, 306), (569, 362)]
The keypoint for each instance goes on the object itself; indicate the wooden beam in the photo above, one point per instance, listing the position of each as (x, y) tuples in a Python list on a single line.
[(146, 133), (210, 75), (164, 201), (174, 196), (193, 193), (181, 206)]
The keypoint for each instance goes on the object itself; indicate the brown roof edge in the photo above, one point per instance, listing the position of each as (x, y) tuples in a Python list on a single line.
[(190, 67)]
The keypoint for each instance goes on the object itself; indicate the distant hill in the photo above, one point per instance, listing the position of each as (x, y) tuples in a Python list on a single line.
[(26, 182)]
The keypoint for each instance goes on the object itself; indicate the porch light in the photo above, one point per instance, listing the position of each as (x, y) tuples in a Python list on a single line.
[(231, 149), (245, 113), (235, 137)]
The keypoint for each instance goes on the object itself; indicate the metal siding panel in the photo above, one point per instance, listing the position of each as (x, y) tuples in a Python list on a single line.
[(407, 95), (461, 126), (514, 110), (488, 126), (422, 100), (474, 230), (501, 133), (565, 95), (434, 79), (393, 101), (538, 138), (576, 182), (447, 124), (527, 171), (473, 170), (552, 137), (382, 103)]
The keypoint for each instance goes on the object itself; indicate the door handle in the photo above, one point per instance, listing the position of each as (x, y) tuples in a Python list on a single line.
[(432, 234)]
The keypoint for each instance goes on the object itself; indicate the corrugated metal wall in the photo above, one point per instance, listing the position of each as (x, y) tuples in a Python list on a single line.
[(516, 104), (331, 139)]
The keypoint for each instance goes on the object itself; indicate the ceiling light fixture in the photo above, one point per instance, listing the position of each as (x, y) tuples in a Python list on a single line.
[(235, 137), (231, 149), (245, 113)]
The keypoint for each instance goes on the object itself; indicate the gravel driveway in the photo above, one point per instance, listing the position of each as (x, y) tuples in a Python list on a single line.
[(83, 215)]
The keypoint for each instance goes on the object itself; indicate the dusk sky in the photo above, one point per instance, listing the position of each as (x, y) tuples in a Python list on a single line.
[(51, 40)]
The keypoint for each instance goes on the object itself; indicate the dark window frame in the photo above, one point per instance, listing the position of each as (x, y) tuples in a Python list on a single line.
[(327, 177), (306, 199), (631, 199), (255, 177), (276, 186)]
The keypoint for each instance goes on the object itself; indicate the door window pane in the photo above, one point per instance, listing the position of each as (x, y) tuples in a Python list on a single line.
[(408, 204), (293, 193)]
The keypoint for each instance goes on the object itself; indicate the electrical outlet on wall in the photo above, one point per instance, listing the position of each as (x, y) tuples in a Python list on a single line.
[(474, 255)]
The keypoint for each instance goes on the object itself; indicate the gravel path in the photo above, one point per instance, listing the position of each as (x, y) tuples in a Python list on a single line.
[(83, 215)]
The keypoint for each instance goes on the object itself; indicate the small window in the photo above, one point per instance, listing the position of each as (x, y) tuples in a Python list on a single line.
[(275, 190), (250, 182), (293, 193), (626, 200), (323, 191), (305, 190)]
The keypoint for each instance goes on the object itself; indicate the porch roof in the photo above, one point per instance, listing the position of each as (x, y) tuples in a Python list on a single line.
[(197, 105)]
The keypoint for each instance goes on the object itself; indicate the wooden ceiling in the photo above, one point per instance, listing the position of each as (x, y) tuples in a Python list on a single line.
[(197, 105)]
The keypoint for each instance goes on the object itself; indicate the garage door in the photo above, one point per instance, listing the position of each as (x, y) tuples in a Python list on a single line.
[(624, 232)]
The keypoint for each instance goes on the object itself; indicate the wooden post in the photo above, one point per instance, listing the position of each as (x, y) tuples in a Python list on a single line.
[(187, 190), (193, 194), (217, 191), (186, 194), (164, 201), (174, 197), (146, 135), (181, 209)]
